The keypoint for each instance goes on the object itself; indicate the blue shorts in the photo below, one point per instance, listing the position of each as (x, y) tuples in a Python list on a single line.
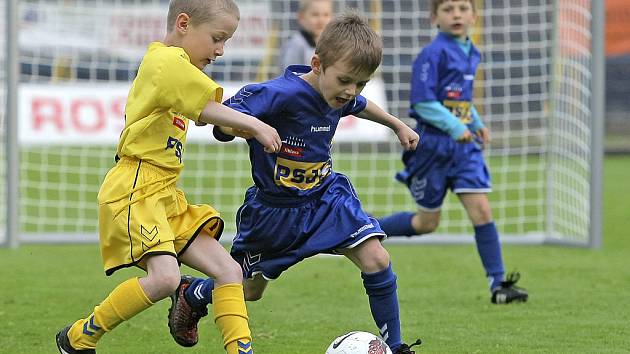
[(274, 234), (440, 163)]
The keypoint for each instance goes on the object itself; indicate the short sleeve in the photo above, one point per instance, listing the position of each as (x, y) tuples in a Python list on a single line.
[(424, 79), (356, 106), (184, 88), (257, 100)]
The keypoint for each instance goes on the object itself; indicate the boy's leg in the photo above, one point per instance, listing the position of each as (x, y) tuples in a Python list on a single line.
[(410, 224), (379, 281), (486, 236), (125, 301), (198, 293), (225, 291), (398, 224)]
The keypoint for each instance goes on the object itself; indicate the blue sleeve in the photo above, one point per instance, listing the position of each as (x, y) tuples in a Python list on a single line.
[(356, 106), (425, 76), (476, 120), (438, 116), (256, 100)]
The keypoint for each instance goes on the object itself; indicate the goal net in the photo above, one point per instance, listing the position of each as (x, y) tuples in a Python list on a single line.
[(533, 89)]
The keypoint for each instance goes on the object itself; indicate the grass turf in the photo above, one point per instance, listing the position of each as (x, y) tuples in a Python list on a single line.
[(577, 304)]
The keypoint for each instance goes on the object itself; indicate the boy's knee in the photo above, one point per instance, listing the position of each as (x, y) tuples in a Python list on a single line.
[(381, 260), (167, 281), (231, 272), (424, 224), (171, 281), (377, 261), (481, 215), (235, 271)]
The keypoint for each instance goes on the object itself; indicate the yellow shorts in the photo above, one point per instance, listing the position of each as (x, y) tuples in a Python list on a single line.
[(141, 212)]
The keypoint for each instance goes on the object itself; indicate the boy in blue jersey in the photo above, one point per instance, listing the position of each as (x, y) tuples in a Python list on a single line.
[(452, 140), (299, 206)]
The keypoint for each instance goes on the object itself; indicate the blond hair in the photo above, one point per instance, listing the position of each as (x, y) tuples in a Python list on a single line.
[(349, 37), (305, 4), (434, 4), (200, 11)]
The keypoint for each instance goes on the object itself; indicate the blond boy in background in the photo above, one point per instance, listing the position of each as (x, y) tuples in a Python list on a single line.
[(313, 16)]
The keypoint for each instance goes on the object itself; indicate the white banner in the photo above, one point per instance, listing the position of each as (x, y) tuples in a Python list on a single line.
[(91, 114), (68, 28)]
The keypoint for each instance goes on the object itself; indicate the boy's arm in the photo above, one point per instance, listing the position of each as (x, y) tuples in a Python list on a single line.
[(225, 134), (408, 138), (479, 128), (438, 116), (476, 120), (218, 114)]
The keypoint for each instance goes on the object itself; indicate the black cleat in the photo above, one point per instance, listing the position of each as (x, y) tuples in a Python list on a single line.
[(63, 344), (406, 349), (508, 292), (182, 318)]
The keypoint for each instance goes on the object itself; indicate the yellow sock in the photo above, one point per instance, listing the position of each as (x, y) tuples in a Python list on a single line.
[(125, 301), (230, 315)]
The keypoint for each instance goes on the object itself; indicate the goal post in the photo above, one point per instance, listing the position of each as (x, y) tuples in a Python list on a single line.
[(539, 89), (9, 236)]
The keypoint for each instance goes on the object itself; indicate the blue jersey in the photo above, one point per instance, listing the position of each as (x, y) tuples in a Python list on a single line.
[(299, 207), (443, 72), (306, 125)]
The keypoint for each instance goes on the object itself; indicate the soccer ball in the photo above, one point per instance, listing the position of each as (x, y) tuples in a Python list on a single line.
[(358, 343)]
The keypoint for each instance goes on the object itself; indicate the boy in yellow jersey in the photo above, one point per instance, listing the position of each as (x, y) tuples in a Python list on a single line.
[(144, 219)]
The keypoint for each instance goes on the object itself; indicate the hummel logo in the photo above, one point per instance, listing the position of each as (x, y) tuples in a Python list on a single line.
[(244, 347), (239, 96), (320, 129), (197, 291), (384, 332), (148, 234), (90, 328)]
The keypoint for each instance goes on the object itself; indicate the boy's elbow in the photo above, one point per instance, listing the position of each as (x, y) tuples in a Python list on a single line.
[(221, 134)]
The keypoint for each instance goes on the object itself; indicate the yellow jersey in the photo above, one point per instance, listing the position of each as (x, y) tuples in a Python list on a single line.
[(168, 92)]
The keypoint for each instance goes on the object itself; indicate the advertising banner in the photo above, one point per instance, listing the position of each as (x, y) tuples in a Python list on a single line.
[(90, 114)]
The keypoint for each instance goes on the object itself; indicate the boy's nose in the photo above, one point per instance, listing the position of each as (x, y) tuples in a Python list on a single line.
[(218, 51)]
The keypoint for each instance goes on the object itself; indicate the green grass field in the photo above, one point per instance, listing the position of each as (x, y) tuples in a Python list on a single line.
[(578, 298)]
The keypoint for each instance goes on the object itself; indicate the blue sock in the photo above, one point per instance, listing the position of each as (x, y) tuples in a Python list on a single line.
[(381, 290), (398, 224), (489, 248), (199, 293)]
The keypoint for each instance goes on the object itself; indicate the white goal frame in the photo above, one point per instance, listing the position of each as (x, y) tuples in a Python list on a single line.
[(553, 232)]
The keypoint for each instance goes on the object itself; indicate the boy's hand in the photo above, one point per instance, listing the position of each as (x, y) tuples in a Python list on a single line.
[(484, 135), (267, 136), (466, 137), (408, 138)]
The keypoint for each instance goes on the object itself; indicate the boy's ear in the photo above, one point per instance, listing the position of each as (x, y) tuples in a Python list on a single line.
[(181, 22), (433, 18), (316, 64)]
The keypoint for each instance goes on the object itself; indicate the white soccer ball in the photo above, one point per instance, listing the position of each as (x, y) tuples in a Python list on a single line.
[(358, 343)]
